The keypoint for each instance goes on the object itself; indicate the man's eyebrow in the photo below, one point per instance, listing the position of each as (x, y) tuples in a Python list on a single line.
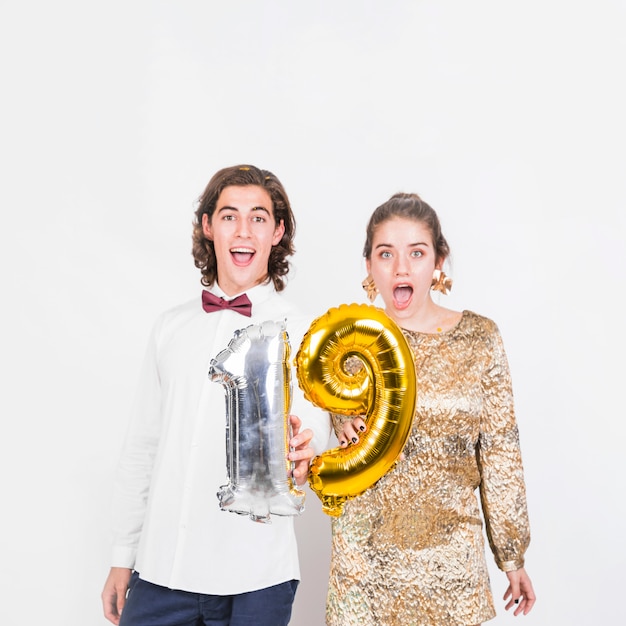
[(233, 208)]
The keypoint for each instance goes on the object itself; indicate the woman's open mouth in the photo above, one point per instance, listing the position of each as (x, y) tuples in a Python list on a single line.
[(402, 296)]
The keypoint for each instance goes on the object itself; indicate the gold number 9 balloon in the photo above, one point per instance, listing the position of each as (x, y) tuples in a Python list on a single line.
[(383, 390)]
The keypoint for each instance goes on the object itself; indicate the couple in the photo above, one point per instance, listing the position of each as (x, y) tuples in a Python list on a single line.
[(408, 551)]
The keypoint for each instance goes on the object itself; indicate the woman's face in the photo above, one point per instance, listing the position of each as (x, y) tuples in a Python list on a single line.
[(401, 263)]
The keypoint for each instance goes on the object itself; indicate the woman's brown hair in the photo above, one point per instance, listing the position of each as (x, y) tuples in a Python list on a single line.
[(410, 206)]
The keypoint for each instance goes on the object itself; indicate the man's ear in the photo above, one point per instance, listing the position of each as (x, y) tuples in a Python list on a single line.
[(278, 233), (206, 226)]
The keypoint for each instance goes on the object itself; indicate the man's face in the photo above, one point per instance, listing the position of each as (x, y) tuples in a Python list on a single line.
[(243, 231)]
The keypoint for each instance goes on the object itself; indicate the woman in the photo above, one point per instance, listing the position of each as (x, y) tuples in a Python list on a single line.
[(410, 550)]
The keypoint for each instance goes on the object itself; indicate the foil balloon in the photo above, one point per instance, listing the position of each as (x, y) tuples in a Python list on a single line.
[(354, 360), (254, 371)]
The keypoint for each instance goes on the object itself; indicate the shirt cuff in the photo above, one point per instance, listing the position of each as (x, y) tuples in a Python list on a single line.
[(123, 557), (510, 566)]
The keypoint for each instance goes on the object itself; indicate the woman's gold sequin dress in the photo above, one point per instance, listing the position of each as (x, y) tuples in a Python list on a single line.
[(410, 550)]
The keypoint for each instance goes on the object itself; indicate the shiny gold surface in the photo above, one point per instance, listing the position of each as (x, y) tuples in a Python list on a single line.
[(382, 389), (410, 550)]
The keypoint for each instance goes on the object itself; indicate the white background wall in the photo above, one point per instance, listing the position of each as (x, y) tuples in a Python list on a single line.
[(508, 117)]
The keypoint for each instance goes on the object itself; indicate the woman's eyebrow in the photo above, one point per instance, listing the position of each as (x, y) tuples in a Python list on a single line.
[(411, 245)]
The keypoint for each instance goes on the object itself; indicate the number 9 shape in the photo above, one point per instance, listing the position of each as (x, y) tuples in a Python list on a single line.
[(383, 389)]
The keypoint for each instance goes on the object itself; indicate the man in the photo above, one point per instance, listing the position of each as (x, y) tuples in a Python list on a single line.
[(182, 560)]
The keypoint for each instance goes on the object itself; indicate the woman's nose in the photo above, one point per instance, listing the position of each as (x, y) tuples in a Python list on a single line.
[(401, 268)]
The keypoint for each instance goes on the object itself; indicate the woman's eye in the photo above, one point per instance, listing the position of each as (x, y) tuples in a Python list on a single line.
[(385, 255), (417, 253)]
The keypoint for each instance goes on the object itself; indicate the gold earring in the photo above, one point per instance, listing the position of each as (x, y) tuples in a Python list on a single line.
[(441, 282), (370, 287)]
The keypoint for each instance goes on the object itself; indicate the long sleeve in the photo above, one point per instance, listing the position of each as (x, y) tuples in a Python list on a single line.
[(133, 477), (502, 488)]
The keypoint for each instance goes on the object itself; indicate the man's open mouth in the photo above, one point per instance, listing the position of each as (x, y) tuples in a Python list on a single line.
[(241, 256)]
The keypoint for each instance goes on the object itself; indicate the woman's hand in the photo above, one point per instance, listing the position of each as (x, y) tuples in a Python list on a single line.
[(350, 432), (520, 592)]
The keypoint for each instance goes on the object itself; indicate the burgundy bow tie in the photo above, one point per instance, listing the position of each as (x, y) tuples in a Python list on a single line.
[(241, 304)]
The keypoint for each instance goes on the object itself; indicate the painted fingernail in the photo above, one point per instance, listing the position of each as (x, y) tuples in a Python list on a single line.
[(354, 439), (517, 601), (362, 428), (342, 443)]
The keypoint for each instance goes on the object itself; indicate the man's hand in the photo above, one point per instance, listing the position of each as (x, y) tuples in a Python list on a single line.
[(302, 453), (114, 593)]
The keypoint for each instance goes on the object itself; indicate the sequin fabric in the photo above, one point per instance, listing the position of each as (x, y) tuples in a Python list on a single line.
[(410, 551)]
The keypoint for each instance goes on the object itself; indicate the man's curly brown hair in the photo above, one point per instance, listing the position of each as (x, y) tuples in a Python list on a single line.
[(240, 175)]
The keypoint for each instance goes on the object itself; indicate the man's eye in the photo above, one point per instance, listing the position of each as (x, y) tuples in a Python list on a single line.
[(417, 253), (385, 255)]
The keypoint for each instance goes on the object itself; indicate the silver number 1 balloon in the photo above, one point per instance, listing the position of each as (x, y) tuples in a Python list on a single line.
[(255, 372)]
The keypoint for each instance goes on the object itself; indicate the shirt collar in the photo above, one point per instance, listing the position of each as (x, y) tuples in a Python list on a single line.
[(257, 294)]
